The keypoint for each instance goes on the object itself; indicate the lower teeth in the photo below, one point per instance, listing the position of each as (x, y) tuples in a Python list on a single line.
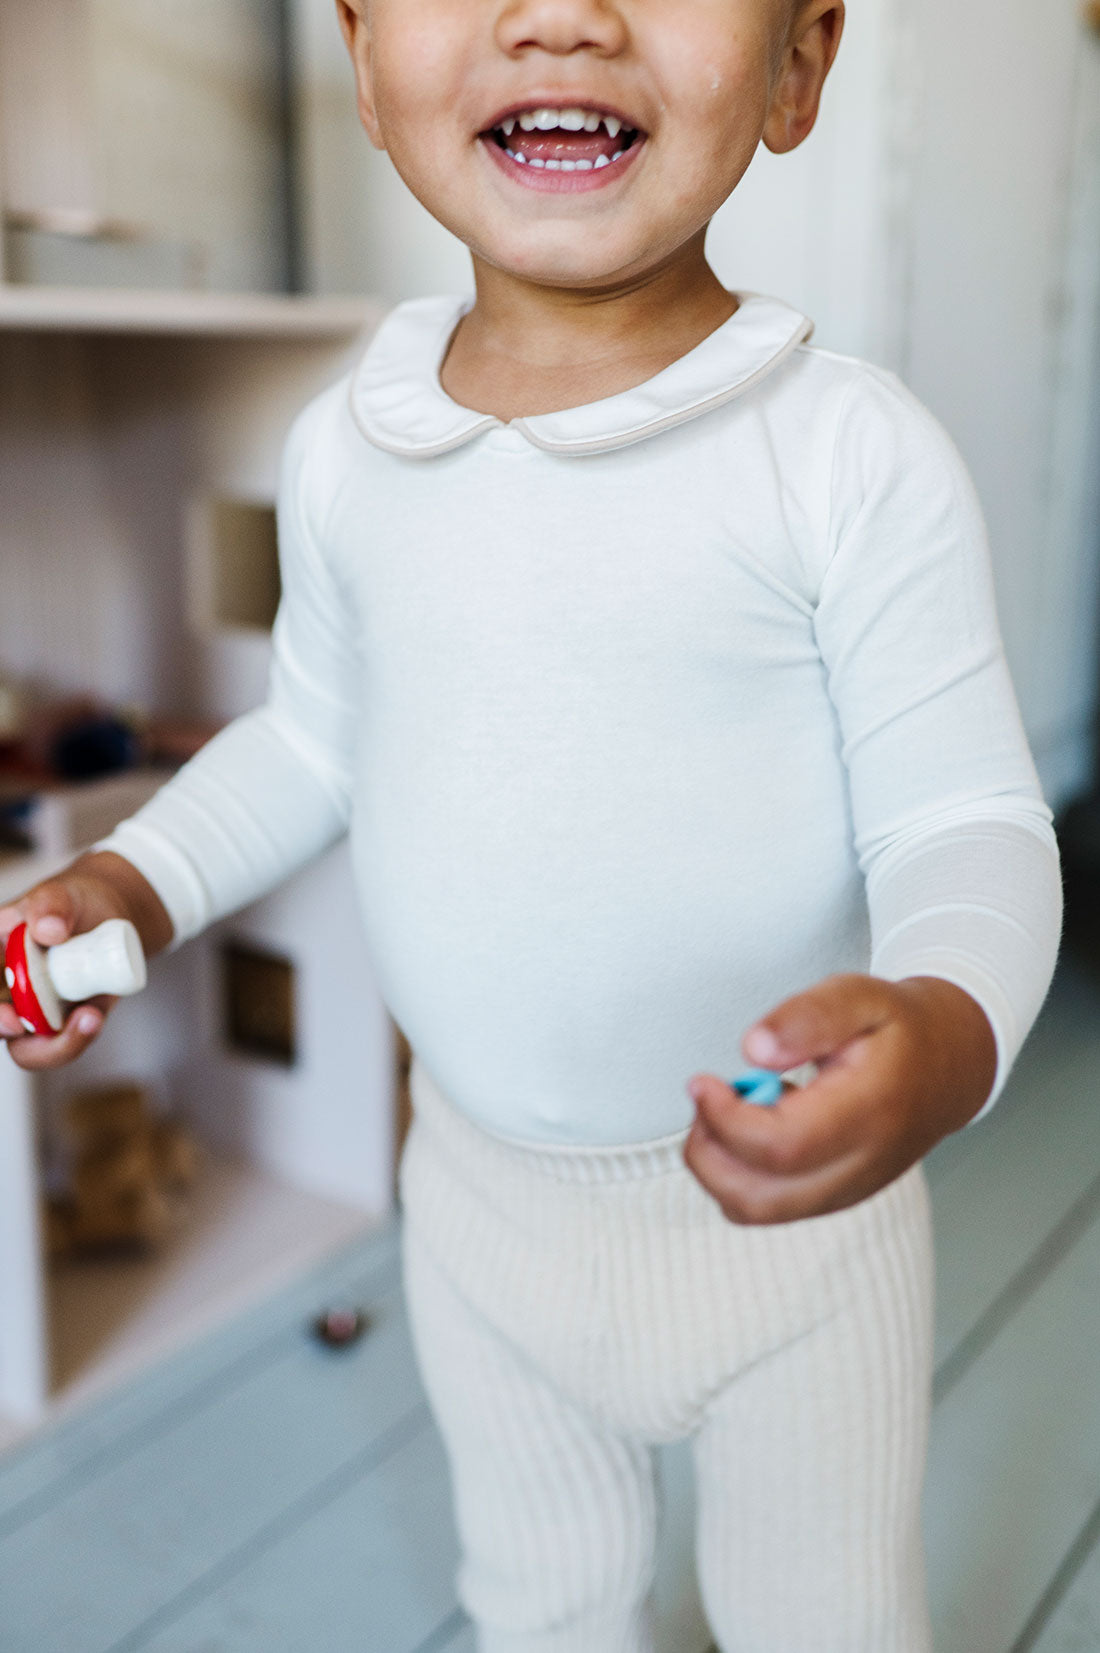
[(565, 166)]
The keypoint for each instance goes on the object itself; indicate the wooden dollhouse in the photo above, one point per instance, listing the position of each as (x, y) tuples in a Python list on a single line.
[(141, 421)]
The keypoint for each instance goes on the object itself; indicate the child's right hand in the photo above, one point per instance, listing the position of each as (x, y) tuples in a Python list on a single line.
[(91, 890)]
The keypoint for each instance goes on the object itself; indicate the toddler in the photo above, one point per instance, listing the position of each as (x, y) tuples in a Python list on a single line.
[(648, 654)]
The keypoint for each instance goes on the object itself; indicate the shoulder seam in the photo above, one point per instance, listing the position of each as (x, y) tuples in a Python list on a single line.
[(829, 548), (327, 404)]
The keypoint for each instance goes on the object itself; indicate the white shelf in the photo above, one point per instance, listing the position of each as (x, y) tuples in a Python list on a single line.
[(211, 315)]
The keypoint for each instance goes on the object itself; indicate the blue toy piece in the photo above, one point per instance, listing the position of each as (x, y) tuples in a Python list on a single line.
[(760, 1086)]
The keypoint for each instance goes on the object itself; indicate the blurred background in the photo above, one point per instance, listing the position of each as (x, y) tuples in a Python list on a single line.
[(196, 236)]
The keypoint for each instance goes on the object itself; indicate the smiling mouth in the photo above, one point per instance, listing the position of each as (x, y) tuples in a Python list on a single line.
[(569, 139)]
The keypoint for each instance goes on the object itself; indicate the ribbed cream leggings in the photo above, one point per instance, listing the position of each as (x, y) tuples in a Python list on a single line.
[(571, 1307)]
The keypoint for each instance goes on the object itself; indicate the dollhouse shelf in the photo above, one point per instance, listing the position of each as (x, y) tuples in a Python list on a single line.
[(105, 459), (198, 314)]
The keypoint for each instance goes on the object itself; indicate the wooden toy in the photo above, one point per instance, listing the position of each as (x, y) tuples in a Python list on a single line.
[(108, 959), (129, 1171)]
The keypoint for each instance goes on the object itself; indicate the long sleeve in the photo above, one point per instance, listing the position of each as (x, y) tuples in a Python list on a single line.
[(953, 837), (274, 788)]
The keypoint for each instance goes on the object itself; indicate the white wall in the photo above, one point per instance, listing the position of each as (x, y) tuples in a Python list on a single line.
[(1002, 321), (185, 125), (162, 114), (364, 232), (45, 105), (1064, 676), (813, 226), (85, 481)]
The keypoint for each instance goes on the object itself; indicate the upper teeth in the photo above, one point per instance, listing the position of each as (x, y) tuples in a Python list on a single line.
[(570, 120)]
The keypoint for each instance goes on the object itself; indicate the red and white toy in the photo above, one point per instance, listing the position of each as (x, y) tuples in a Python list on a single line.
[(43, 980)]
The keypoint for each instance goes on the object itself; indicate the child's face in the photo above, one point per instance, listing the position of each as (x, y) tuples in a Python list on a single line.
[(686, 90)]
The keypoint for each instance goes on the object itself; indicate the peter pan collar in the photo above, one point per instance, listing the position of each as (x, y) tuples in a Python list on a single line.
[(399, 404)]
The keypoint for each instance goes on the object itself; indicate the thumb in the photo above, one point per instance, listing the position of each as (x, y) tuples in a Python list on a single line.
[(814, 1025)]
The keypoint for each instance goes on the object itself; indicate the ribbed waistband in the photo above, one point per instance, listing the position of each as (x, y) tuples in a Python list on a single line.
[(591, 1165)]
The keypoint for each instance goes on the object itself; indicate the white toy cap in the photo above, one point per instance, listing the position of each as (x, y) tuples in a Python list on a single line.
[(108, 959)]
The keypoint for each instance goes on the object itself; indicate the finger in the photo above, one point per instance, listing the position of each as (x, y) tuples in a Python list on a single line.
[(11, 915), (806, 1128), (48, 909), (51, 911), (10, 1025), (37, 1054), (753, 1198), (813, 1025)]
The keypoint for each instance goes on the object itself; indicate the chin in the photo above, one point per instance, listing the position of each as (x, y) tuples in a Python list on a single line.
[(570, 266)]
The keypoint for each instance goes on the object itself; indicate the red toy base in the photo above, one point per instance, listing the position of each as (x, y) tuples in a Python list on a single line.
[(32, 993)]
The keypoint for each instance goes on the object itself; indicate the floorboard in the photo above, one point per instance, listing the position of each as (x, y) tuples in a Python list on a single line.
[(80, 1445), (1014, 1470), (1014, 1475), (378, 1538), (1000, 1187), (1066, 1618), (215, 1472)]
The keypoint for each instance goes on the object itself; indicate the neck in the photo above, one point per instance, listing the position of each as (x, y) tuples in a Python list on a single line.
[(526, 348)]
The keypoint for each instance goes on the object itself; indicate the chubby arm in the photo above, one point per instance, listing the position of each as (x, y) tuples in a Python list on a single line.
[(274, 788), (953, 837)]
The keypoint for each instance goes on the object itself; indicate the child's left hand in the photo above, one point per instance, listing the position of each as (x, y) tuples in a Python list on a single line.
[(902, 1064)]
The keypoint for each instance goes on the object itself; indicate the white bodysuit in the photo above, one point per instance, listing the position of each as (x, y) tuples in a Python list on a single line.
[(642, 716)]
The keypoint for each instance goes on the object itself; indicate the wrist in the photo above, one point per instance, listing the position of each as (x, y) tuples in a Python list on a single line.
[(958, 1043), (135, 897)]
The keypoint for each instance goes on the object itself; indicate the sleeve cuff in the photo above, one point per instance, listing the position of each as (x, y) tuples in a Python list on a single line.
[(168, 870)]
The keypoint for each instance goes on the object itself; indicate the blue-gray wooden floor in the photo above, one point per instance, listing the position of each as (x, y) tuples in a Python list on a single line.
[(261, 1495)]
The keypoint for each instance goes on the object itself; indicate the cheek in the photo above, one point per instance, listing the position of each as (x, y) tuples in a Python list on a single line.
[(725, 134), (707, 167), (413, 74), (719, 82)]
